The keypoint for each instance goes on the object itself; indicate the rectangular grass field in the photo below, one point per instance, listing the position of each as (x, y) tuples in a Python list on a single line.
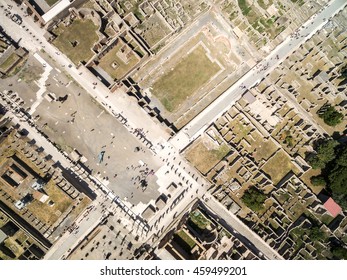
[(192, 72)]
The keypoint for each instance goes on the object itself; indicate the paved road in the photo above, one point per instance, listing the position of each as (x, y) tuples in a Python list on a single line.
[(197, 126), (180, 172), (246, 235), (70, 239), (84, 224)]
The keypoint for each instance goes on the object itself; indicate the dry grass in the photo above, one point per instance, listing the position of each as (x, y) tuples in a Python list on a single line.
[(154, 29), (82, 31), (240, 129), (278, 166), (204, 158), (306, 179), (12, 59), (14, 246), (122, 68), (30, 73), (192, 72), (265, 150), (46, 213)]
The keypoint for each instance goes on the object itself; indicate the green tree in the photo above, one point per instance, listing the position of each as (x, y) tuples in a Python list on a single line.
[(325, 152), (342, 157), (317, 234), (315, 162), (254, 199), (339, 253), (332, 158), (330, 116), (318, 181), (338, 180)]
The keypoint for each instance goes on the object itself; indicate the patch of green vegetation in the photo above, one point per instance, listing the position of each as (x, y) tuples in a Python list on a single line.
[(233, 15), (184, 240), (314, 233), (330, 115), (223, 233), (198, 221), (245, 9), (9, 61), (263, 5), (264, 22), (158, 48), (336, 174), (339, 253), (258, 27), (283, 197), (193, 71), (230, 10), (274, 224), (326, 219), (297, 235), (289, 140), (51, 2), (254, 199), (318, 181), (299, 2), (325, 152), (139, 15), (271, 20), (298, 209)]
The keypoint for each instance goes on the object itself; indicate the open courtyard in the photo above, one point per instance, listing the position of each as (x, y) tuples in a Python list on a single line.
[(119, 60), (205, 154), (278, 166), (77, 39)]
